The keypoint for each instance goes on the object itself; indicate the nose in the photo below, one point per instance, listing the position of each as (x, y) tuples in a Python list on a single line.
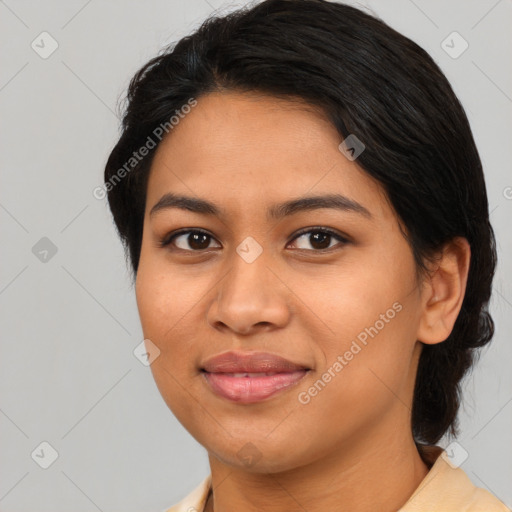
[(249, 298)]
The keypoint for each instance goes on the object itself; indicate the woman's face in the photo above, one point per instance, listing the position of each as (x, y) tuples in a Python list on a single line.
[(344, 305)]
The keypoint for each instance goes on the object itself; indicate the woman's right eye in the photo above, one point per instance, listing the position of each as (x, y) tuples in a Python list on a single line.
[(191, 240)]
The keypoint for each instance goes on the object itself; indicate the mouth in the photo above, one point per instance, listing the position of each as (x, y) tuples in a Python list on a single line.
[(252, 376), (244, 387)]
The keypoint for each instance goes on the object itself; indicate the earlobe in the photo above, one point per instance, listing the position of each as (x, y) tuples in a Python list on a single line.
[(444, 291)]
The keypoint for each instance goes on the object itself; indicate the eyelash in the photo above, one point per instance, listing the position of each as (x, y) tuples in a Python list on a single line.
[(167, 240)]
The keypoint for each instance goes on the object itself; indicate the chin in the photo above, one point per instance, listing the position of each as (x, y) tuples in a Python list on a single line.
[(258, 456)]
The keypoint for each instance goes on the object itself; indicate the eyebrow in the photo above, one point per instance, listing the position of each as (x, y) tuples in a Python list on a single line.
[(276, 211)]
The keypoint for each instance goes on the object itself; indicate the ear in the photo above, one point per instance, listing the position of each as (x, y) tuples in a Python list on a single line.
[(443, 292)]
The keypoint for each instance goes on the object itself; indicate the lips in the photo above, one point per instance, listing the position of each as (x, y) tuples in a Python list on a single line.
[(250, 362), (251, 377)]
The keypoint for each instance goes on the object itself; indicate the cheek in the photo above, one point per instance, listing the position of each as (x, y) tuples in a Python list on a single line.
[(172, 310), (166, 311), (372, 315), (355, 295), (362, 382), (165, 298)]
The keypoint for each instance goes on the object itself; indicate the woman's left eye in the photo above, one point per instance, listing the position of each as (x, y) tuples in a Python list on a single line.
[(319, 238)]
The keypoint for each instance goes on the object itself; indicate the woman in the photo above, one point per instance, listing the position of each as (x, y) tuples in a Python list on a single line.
[(300, 196)]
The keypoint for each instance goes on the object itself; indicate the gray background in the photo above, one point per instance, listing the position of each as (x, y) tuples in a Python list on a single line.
[(69, 323)]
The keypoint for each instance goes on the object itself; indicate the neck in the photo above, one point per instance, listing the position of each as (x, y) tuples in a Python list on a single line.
[(364, 477)]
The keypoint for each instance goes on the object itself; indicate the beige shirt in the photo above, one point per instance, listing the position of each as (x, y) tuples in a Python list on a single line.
[(444, 489)]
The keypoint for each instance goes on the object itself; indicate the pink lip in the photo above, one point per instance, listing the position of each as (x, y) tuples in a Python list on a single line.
[(251, 389), (219, 370), (236, 362)]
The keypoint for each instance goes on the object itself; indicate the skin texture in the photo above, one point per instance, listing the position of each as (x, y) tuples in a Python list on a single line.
[(352, 443)]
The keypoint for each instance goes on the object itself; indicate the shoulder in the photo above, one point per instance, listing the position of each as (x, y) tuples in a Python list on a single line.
[(195, 500), (447, 488)]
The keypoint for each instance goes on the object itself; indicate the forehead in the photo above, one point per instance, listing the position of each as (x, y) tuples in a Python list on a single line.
[(248, 149)]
